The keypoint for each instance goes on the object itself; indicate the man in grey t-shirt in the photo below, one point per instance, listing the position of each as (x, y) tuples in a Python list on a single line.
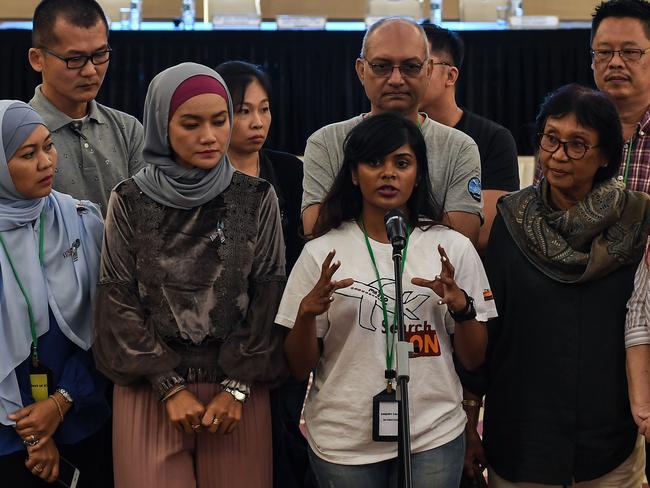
[(454, 164), (97, 146)]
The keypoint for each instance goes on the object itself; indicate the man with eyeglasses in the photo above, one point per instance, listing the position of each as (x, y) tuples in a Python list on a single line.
[(496, 146), (394, 69), (98, 146), (620, 43)]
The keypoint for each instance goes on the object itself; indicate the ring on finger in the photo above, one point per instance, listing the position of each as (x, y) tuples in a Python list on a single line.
[(38, 468), (31, 441), (196, 426), (216, 421)]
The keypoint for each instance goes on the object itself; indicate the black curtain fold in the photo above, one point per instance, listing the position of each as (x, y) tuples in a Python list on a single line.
[(505, 76)]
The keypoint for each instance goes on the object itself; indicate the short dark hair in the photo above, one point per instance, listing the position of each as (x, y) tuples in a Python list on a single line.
[(636, 9), (371, 140), (447, 41), (593, 110), (238, 75), (80, 13)]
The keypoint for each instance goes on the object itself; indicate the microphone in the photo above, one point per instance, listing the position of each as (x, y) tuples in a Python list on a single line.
[(396, 229)]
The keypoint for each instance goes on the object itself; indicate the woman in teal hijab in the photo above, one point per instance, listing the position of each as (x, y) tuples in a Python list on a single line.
[(51, 396)]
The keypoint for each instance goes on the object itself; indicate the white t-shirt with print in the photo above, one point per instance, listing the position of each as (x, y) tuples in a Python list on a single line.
[(350, 371)]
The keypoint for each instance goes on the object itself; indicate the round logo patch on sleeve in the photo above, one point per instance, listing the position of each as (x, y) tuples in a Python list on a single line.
[(474, 188)]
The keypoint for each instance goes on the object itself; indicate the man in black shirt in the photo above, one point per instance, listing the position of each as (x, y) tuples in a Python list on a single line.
[(497, 148), (499, 175)]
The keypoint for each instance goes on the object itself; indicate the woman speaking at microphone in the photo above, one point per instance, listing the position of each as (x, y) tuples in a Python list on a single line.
[(345, 327)]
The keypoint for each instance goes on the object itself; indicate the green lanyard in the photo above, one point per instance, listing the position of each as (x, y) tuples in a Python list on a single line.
[(627, 159), (32, 322), (390, 346)]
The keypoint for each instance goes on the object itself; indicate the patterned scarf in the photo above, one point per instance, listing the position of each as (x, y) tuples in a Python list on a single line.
[(606, 230)]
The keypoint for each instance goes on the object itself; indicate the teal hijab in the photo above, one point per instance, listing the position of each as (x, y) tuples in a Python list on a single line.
[(60, 283)]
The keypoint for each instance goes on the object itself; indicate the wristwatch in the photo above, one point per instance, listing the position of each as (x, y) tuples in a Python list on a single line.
[(65, 394), (240, 396), (468, 313), (239, 390)]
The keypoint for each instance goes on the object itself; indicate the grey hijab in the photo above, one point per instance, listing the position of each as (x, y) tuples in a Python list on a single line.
[(164, 180)]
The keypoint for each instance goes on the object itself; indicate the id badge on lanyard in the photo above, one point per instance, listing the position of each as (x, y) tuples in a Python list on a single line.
[(385, 415), (41, 380), (385, 407)]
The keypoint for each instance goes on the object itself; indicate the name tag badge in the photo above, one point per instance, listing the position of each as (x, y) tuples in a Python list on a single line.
[(384, 417), (40, 379)]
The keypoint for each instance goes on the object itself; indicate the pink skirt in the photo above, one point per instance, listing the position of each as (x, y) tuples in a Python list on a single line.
[(149, 451)]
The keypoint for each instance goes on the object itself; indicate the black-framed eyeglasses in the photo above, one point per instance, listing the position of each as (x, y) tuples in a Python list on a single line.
[(384, 70), (77, 62), (628, 54), (573, 149)]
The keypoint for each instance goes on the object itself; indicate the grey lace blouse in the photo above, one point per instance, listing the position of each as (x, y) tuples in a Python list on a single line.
[(191, 294)]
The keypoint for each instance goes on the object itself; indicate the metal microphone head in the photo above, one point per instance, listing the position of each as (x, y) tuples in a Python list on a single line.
[(396, 228)]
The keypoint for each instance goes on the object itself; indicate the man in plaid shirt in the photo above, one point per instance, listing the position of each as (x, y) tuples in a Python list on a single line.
[(620, 43)]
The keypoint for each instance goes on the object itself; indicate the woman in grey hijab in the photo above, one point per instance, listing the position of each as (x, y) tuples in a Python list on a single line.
[(191, 275), (51, 396)]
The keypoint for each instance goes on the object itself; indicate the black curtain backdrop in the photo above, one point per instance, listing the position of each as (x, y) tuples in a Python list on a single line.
[(505, 76)]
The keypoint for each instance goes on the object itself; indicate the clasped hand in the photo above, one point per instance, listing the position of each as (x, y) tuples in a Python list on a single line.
[(220, 416), (40, 419)]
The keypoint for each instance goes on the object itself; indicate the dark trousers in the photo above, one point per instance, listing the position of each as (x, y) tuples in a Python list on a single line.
[(291, 467), (87, 456)]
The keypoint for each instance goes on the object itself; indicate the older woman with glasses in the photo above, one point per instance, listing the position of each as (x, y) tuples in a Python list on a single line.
[(561, 262)]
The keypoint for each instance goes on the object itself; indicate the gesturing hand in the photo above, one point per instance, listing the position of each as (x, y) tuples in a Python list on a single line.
[(185, 411), (318, 300), (444, 285), (222, 414)]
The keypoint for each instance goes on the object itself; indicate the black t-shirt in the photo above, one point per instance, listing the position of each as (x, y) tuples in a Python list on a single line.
[(498, 151), (284, 172)]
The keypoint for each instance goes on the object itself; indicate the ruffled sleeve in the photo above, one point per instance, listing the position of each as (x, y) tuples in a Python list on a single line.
[(127, 347)]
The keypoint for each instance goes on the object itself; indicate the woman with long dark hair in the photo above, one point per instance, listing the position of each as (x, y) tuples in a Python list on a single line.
[(345, 327)]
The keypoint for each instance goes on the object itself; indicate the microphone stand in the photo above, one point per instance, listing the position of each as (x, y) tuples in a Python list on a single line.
[(404, 350)]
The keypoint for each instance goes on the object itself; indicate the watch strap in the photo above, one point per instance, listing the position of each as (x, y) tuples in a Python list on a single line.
[(468, 313)]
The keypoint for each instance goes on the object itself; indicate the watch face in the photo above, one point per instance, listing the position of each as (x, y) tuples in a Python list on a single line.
[(239, 396)]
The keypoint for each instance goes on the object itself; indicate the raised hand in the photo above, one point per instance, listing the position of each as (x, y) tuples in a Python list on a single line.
[(444, 285), (318, 300)]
